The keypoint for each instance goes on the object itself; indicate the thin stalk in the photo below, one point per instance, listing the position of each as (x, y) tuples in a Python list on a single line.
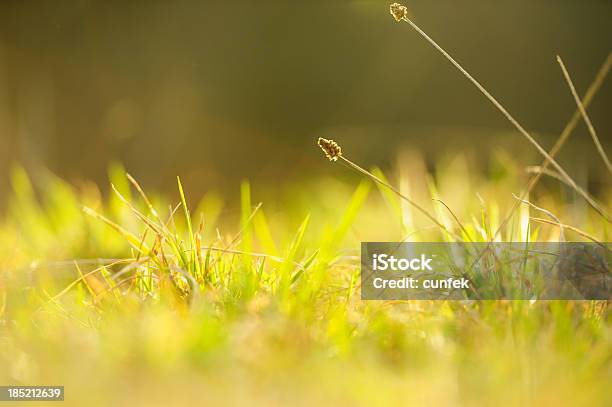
[(463, 229), (572, 228), (567, 131), (510, 118), (547, 212), (585, 116), (397, 191)]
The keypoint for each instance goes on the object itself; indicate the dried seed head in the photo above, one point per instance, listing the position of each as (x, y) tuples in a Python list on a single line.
[(398, 11), (331, 149)]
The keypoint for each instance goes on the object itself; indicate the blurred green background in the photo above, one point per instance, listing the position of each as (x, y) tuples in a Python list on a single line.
[(217, 91), (220, 91)]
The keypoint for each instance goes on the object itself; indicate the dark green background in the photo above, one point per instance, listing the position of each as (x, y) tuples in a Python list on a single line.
[(216, 91)]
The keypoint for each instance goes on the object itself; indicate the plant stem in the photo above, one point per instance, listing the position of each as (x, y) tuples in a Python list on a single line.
[(567, 131), (585, 116), (397, 191), (511, 119)]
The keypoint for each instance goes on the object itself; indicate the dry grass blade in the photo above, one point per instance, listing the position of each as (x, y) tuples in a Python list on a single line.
[(545, 171), (505, 112), (573, 229), (84, 279), (83, 276), (133, 241), (567, 131), (547, 212), (144, 197), (276, 259), (141, 216), (585, 116), (463, 229)]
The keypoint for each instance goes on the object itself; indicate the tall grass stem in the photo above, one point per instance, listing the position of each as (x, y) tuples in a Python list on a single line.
[(585, 116), (510, 118)]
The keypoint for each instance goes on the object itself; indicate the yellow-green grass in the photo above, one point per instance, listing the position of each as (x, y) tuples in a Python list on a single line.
[(143, 299)]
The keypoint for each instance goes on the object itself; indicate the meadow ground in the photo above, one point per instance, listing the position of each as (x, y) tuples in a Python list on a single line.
[(132, 297), (135, 299)]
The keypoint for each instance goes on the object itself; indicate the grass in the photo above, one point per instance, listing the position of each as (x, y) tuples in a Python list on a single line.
[(585, 116), (232, 322), (148, 298), (400, 13)]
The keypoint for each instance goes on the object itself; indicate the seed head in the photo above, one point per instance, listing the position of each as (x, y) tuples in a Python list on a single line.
[(398, 11), (331, 149)]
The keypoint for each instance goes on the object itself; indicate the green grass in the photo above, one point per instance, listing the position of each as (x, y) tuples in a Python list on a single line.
[(139, 298)]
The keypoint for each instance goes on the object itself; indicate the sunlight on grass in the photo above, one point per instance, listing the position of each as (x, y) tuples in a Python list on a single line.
[(152, 298)]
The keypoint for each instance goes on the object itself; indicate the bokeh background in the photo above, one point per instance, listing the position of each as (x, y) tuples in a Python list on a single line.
[(218, 91)]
